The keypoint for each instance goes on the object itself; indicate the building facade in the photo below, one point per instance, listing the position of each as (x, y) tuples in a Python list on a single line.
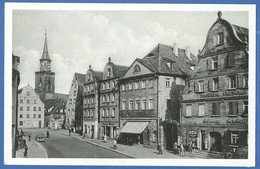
[(15, 85), (74, 110), (30, 109), (91, 103), (109, 99), (145, 95), (215, 101), (45, 78)]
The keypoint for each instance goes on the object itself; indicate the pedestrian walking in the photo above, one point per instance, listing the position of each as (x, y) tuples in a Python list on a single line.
[(160, 149), (29, 137), (115, 143), (182, 150), (175, 148), (25, 154), (69, 132), (47, 134)]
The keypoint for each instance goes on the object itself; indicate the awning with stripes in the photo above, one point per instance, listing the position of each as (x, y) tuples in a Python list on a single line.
[(134, 127)]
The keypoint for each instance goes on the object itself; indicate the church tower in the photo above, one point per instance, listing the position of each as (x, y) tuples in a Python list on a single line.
[(45, 78)]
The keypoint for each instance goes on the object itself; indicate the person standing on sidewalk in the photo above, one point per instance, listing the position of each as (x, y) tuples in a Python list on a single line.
[(29, 137), (115, 143), (182, 150), (69, 132), (25, 154)]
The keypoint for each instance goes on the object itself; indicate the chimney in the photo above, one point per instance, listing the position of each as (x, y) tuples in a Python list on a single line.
[(175, 49), (187, 52)]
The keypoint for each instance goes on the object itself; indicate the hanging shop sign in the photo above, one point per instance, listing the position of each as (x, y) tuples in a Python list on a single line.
[(193, 134), (211, 121)]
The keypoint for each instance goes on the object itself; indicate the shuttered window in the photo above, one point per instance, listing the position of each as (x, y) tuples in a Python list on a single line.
[(233, 108), (188, 110), (232, 82), (216, 109), (201, 109)]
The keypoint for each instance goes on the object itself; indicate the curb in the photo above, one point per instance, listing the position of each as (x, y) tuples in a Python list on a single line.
[(97, 145)]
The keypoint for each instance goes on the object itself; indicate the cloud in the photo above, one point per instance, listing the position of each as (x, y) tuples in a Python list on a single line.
[(92, 42)]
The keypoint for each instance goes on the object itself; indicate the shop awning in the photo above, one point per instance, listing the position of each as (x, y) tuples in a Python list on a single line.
[(134, 127)]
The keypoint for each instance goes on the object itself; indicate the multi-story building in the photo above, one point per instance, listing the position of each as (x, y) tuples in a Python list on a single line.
[(91, 94), (30, 109), (74, 103), (215, 101), (15, 84), (109, 99), (145, 95)]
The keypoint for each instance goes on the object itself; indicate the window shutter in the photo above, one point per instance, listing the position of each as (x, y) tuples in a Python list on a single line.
[(235, 109), (196, 87), (240, 81), (209, 63), (210, 84), (240, 108)]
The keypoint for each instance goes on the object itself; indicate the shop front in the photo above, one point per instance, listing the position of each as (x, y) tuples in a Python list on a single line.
[(108, 130)]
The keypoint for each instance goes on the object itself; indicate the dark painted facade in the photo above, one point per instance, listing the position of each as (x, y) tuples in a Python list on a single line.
[(215, 101)]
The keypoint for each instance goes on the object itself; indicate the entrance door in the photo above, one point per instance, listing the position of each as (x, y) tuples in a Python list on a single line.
[(203, 147), (108, 131), (215, 140), (40, 123)]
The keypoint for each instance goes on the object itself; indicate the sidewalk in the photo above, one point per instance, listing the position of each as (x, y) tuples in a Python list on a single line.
[(35, 150), (131, 151)]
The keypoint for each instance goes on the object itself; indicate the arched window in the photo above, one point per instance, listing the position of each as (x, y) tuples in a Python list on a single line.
[(137, 68)]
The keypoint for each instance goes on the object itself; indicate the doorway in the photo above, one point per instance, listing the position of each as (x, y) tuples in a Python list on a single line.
[(215, 140)]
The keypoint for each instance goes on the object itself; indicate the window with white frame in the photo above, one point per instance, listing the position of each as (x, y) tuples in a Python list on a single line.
[(188, 110), (92, 100), (123, 105), (232, 83), (85, 101), (201, 86), (136, 85), (113, 84), (103, 86), (144, 104), (220, 38), (131, 105), (103, 112), (143, 84), (88, 114), (215, 85), (137, 103), (123, 87), (88, 88), (108, 98), (113, 97), (168, 82), (150, 105), (103, 98), (108, 85), (108, 112), (214, 62), (150, 83), (234, 137), (201, 109), (113, 112), (130, 86), (88, 101), (92, 114)]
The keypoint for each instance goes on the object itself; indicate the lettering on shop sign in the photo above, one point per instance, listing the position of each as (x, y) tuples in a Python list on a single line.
[(234, 121), (212, 94), (235, 93), (211, 121)]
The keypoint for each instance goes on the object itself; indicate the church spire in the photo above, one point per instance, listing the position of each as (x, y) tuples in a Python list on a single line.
[(45, 53)]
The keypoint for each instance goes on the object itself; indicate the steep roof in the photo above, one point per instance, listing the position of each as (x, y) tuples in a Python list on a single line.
[(241, 32), (156, 60), (118, 70), (80, 78), (45, 53), (60, 96), (55, 105), (98, 75)]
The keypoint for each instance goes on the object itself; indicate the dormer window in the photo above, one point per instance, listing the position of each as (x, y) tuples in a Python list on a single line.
[(137, 68), (220, 38), (170, 65)]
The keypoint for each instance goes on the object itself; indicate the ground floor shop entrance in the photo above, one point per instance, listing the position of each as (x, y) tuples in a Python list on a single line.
[(215, 141)]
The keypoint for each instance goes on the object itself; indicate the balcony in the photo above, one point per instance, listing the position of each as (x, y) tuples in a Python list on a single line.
[(138, 114)]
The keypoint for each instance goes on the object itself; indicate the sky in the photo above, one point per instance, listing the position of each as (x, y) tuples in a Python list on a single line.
[(77, 39)]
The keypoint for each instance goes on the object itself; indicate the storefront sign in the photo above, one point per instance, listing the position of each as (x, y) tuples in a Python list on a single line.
[(235, 93), (193, 134), (212, 94), (211, 121), (239, 121)]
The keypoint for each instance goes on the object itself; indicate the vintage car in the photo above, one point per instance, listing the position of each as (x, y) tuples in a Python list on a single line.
[(40, 138)]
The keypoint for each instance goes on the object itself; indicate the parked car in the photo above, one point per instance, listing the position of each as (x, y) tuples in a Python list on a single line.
[(40, 138)]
